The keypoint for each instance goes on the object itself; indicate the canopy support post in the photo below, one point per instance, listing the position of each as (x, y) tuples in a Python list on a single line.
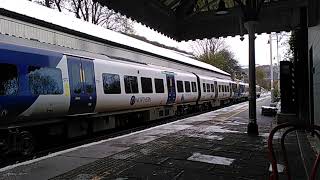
[(252, 126)]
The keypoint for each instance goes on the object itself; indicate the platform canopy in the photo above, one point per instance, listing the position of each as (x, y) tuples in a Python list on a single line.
[(197, 19)]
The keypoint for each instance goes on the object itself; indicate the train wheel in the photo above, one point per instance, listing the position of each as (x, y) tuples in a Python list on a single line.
[(27, 143)]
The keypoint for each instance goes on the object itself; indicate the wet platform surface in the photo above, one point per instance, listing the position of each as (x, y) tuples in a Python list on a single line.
[(213, 145)]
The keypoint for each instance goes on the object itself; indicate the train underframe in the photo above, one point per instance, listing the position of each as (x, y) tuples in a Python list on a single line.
[(23, 139)]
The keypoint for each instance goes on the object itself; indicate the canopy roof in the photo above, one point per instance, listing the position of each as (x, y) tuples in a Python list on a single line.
[(197, 19)]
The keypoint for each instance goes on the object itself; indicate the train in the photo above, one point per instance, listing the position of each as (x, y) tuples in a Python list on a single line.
[(58, 80), (80, 94)]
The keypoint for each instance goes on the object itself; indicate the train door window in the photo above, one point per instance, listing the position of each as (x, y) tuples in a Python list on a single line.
[(76, 78), (146, 84), (194, 86), (131, 84), (180, 86), (8, 79), (111, 83), (187, 86), (204, 87), (208, 87), (159, 85), (44, 80), (88, 78), (212, 87)]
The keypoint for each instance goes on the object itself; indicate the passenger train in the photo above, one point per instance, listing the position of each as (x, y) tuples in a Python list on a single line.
[(42, 88), (61, 77)]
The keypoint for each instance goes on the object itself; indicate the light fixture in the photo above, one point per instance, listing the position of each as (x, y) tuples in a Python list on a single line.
[(222, 8)]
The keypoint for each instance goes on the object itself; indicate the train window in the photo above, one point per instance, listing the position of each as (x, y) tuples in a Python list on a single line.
[(44, 80), (159, 85), (219, 88), (204, 87), (208, 87), (180, 86), (131, 84), (212, 87), (146, 84), (111, 83), (187, 86), (8, 79), (194, 86), (222, 88)]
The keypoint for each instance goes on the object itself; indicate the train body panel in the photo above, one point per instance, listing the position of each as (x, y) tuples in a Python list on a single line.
[(47, 103), (119, 86), (223, 89), (28, 74), (207, 88), (186, 87)]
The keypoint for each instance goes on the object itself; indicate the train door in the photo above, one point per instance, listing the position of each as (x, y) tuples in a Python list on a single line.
[(171, 89), (82, 85), (216, 89), (230, 90)]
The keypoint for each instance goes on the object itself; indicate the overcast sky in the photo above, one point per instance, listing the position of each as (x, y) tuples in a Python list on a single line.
[(239, 48)]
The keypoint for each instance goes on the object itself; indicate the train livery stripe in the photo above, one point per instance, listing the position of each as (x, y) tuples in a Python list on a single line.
[(23, 58)]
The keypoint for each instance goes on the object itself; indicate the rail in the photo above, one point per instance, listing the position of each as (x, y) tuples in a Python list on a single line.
[(289, 127)]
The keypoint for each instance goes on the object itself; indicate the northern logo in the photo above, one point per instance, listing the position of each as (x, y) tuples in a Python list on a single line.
[(132, 100)]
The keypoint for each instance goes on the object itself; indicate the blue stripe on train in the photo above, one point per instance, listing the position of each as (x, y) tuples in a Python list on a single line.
[(13, 105)]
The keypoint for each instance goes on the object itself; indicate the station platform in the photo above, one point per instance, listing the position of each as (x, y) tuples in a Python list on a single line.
[(213, 145)]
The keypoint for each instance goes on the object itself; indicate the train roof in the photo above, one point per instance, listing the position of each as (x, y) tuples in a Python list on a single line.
[(55, 18)]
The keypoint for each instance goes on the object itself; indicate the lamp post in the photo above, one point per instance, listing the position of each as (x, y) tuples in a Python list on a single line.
[(271, 66), (278, 61), (271, 69)]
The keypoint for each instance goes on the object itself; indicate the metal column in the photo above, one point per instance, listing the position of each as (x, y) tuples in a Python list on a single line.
[(252, 126)]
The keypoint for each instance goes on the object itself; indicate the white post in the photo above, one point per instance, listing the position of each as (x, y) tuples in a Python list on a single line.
[(278, 61), (271, 68)]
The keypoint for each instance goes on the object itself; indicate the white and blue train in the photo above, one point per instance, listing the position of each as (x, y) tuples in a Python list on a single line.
[(60, 76), (48, 88)]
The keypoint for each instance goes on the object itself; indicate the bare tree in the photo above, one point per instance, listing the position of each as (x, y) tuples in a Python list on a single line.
[(92, 11), (215, 52), (208, 47), (95, 13), (51, 3)]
